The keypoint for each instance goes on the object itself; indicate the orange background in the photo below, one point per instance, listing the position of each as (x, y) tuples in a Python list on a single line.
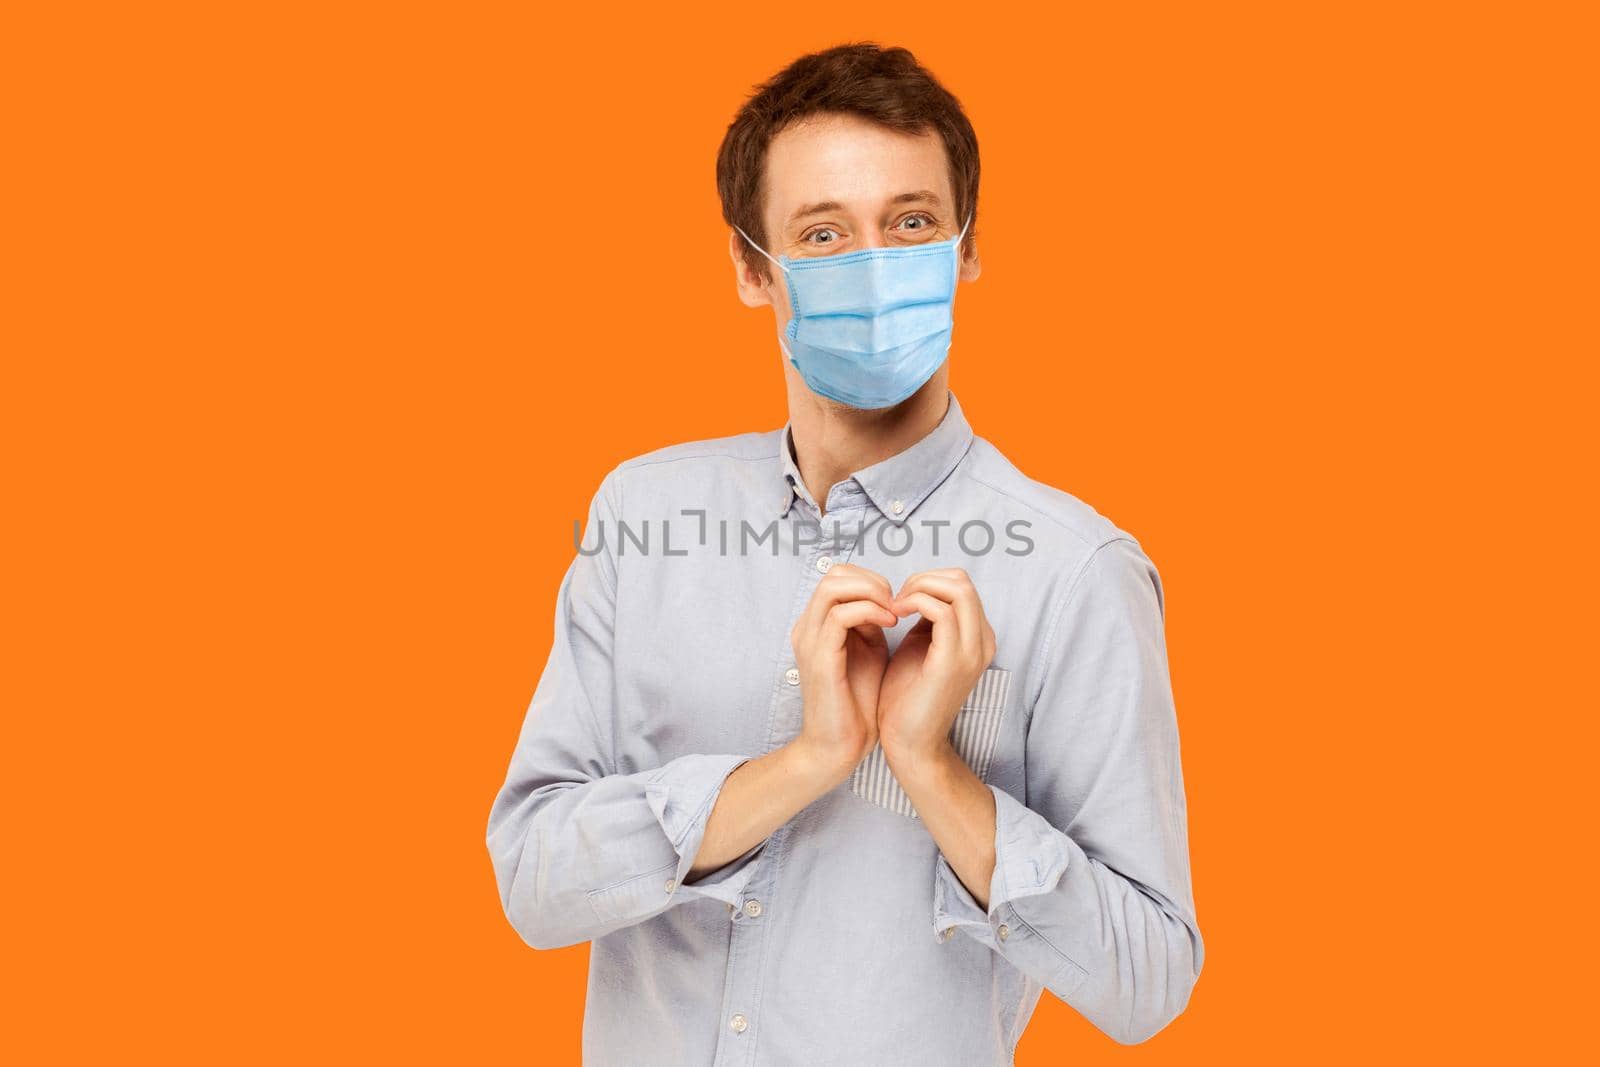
[(322, 327)]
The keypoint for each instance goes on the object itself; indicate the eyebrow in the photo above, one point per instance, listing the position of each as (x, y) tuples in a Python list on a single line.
[(920, 196)]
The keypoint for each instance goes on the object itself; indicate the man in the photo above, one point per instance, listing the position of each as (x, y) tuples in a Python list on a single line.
[(853, 739)]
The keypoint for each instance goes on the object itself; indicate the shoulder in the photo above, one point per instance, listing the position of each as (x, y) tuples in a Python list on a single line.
[(690, 465), (1098, 572), (712, 451), (1064, 519), (1081, 546)]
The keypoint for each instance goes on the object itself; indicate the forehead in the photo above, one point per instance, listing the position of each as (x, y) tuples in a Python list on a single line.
[(849, 159)]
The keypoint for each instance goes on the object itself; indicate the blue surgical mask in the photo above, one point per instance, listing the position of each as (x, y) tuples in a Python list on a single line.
[(869, 328)]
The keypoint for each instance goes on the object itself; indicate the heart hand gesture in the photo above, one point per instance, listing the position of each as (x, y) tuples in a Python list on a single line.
[(936, 664)]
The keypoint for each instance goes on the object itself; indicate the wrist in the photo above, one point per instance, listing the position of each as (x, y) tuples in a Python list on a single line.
[(913, 763), (820, 766)]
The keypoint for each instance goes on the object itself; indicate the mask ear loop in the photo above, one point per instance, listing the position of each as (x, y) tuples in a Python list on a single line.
[(782, 343), (959, 238), (758, 248), (764, 252)]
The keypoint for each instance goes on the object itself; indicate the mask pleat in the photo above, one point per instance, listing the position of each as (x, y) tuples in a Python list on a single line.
[(871, 327)]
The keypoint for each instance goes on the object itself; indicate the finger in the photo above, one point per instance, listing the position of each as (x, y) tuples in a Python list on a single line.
[(946, 627), (872, 633), (854, 569), (842, 618), (836, 590), (912, 584), (855, 584), (922, 631), (947, 585), (958, 590), (877, 590)]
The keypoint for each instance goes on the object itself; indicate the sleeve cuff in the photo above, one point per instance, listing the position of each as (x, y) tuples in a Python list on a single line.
[(1030, 856), (681, 795)]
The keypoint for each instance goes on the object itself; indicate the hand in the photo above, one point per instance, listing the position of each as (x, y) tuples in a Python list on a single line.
[(841, 652), (936, 666)]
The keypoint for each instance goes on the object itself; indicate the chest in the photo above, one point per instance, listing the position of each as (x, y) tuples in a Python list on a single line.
[(704, 662)]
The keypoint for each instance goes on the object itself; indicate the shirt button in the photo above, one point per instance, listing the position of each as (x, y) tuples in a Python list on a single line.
[(671, 885), (792, 675), (898, 506), (739, 1023), (752, 908), (823, 563), (1004, 931)]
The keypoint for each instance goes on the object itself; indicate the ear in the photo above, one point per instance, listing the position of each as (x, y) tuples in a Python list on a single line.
[(971, 265), (754, 290)]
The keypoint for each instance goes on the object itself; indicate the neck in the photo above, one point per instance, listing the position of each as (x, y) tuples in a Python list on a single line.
[(832, 441)]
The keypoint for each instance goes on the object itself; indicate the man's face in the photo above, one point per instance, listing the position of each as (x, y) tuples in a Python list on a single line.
[(839, 183)]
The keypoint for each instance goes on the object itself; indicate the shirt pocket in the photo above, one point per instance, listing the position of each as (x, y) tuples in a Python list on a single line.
[(974, 735)]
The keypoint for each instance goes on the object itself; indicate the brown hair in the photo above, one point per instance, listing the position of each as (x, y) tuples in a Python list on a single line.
[(885, 85)]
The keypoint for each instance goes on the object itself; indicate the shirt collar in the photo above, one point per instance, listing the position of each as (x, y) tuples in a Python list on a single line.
[(898, 484)]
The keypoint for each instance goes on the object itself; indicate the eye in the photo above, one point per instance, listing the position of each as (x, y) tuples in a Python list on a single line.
[(822, 235), (916, 223)]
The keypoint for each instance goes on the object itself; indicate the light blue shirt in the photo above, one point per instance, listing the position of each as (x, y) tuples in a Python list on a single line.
[(845, 937)]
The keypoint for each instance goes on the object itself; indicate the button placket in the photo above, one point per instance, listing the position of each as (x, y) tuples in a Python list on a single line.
[(836, 542), (748, 947), (747, 951)]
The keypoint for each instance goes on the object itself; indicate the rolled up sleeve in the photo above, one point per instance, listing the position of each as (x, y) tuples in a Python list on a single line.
[(682, 795), (1091, 894), (578, 849)]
